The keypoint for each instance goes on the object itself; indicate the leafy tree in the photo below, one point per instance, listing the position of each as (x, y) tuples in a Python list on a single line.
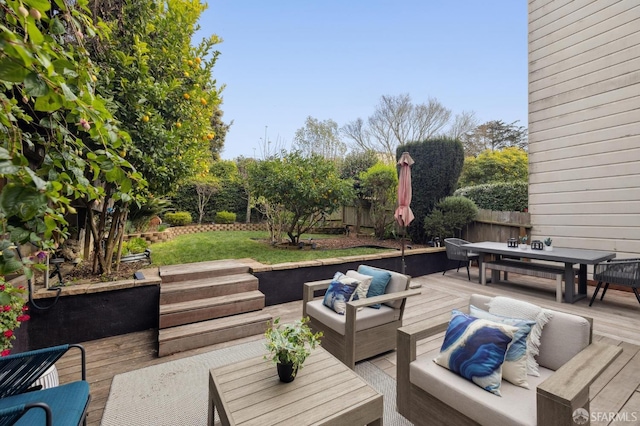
[(162, 86), (380, 184), (507, 165), (321, 138), (434, 176), (307, 188), (495, 135), (60, 143), (397, 121), (355, 163)]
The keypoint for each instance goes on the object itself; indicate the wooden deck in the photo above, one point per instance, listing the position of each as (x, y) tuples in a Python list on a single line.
[(616, 321)]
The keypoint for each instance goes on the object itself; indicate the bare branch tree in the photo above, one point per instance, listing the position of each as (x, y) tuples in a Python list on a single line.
[(359, 135), (428, 119), (397, 121), (463, 124)]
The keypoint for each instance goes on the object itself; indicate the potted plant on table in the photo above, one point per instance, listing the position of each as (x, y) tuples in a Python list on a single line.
[(290, 345), (548, 244), (523, 242)]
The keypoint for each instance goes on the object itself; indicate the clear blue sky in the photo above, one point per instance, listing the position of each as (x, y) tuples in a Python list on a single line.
[(284, 60)]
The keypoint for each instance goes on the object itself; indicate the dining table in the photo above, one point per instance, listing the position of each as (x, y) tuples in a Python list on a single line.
[(568, 256)]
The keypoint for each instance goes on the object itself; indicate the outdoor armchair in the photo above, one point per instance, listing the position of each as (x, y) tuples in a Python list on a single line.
[(455, 251), (623, 272), (429, 394), (363, 331), (61, 405)]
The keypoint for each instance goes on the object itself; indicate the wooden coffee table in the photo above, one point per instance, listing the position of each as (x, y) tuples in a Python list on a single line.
[(324, 392)]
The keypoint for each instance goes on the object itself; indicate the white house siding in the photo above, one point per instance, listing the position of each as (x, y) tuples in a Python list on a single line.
[(584, 123)]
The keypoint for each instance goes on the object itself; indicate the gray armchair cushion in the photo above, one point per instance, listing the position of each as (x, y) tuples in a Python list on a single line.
[(517, 406), (563, 337), (366, 318)]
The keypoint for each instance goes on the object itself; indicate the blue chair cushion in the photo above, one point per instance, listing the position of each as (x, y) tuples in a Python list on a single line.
[(475, 349), (379, 283), (67, 402)]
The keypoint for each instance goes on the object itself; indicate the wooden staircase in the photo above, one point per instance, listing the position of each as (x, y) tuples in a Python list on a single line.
[(205, 303)]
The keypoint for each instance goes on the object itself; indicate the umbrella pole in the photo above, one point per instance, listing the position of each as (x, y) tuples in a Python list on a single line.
[(404, 266)]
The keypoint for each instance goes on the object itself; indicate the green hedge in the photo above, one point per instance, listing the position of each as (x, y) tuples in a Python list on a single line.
[(504, 196), (225, 217), (231, 197), (178, 218), (434, 176)]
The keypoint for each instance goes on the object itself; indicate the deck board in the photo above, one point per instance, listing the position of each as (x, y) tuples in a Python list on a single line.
[(616, 321)]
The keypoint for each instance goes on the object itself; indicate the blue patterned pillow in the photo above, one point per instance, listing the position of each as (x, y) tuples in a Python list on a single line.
[(475, 349), (378, 284), (340, 292), (514, 369)]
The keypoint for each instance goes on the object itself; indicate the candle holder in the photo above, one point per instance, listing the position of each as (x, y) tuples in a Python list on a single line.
[(537, 245), (512, 242)]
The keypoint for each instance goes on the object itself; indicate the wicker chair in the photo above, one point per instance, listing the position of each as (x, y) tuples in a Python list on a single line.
[(455, 251), (624, 272)]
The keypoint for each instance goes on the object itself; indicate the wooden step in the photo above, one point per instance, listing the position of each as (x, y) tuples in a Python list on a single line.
[(175, 314), (204, 288), (199, 270), (191, 336)]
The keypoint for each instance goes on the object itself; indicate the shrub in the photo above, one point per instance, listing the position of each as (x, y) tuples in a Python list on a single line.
[(434, 175), (448, 218), (503, 196), (134, 246), (506, 165), (178, 218), (225, 217)]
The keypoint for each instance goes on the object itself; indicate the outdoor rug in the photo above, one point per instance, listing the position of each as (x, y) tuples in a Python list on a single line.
[(175, 393)]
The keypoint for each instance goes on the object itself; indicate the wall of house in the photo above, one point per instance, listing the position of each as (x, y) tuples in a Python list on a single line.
[(584, 123)]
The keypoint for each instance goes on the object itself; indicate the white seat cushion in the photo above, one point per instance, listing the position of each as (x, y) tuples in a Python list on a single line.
[(517, 406), (366, 318)]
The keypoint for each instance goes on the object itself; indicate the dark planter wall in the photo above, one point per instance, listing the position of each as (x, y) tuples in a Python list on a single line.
[(80, 318), (285, 285)]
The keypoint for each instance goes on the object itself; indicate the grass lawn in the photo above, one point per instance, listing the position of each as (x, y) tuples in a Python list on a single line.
[(238, 245)]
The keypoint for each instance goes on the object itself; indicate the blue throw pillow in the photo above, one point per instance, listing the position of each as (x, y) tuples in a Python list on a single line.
[(514, 369), (378, 284), (475, 349), (340, 292)]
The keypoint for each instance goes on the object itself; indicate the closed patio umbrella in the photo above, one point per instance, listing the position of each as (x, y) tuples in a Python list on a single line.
[(403, 213)]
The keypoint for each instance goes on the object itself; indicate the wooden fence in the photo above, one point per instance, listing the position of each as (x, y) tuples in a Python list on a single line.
[(498, 226)]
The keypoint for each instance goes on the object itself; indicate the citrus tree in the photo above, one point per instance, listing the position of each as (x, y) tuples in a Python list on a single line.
[(59, 141), (308, 188), (162, 87)]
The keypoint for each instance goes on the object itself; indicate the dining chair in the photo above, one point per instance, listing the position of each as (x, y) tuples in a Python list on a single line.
[(455, 251), (623, 272)]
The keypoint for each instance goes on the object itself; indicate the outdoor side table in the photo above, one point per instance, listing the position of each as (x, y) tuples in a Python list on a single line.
[(324, 392)]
